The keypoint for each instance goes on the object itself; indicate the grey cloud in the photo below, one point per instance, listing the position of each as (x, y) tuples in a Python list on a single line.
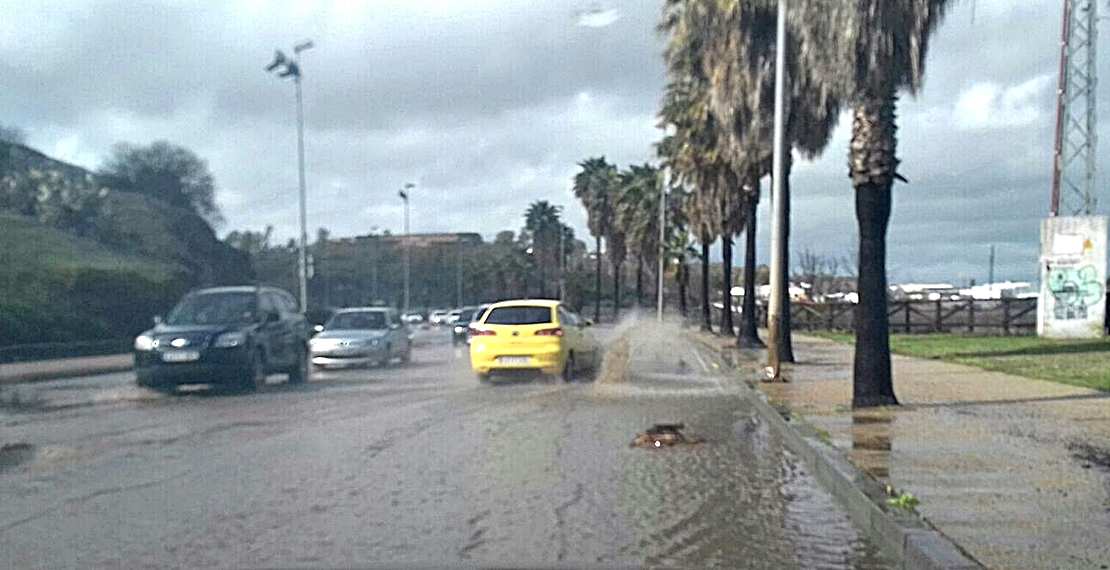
[(481, 104)]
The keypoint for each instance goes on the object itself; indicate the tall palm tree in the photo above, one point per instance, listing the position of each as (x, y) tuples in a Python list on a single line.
[(541, 220), (730, 217), (701, 154), (871, 49), (859, 52), (618, 252), (594, 186), (748, 336), (701, 219), (740, 56), (677, 237), (637, 214)]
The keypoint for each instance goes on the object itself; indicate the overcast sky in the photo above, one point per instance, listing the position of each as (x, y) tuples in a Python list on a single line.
[(487, 106)]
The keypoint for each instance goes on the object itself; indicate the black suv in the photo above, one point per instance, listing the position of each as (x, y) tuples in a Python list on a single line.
[(232, 336)]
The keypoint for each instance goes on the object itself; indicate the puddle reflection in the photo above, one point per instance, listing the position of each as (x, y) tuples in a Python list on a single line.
[(872, 442)]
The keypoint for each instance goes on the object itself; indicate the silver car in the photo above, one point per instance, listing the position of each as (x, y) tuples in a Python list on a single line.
[(360, 337)]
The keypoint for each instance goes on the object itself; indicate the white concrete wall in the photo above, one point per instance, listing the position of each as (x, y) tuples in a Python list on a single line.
[(1073, 277)]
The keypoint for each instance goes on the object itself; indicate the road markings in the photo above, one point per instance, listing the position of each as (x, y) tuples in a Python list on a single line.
[(701, 361)]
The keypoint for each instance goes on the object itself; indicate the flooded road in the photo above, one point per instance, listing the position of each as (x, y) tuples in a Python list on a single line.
[(417, 465)]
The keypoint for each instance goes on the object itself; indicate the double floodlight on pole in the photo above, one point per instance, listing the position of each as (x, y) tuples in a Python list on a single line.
[(291, 68), (404, 194)]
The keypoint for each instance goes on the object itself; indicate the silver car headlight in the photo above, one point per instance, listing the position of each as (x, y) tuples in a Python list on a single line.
[(230, 340), (144, 342)]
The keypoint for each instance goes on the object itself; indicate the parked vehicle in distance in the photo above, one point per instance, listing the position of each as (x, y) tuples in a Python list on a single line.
[(452, 317), (437, 317), (412, 318), (532, 335), (458, 330), (474, 318), (360, 337), (228, 336)]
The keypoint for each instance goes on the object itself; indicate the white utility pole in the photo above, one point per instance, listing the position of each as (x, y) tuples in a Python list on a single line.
[(662, 243), (776, 301)]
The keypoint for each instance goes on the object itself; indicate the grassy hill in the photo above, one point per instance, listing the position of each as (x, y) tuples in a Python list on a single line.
[(80, 261), (58, 287)]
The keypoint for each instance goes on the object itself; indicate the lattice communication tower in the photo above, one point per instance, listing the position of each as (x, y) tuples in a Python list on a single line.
[(1073, 177)]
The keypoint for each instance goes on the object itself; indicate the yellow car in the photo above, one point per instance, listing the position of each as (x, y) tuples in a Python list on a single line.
[(532, 335)]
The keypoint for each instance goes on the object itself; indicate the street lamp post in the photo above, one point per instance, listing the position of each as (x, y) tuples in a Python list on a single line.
[(562, 261), (776, 301), (292, 69), (662, 240), (404, 194)]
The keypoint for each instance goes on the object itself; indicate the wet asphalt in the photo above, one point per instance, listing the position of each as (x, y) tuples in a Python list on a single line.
[(415, 465)]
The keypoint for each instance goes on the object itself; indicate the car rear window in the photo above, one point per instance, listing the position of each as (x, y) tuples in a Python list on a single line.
[(519, 316), (360, 320)]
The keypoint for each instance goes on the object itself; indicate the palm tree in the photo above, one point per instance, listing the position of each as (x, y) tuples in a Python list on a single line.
[(705, 230), (677, 238), (637, 215), (730, 216), (748, 337), (860, 52), (541, 220), (878, 48), (618, 251), (700, 154), (594, 186), (740, 56)]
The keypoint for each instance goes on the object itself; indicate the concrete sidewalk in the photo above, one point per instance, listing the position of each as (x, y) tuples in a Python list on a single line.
[(17, 372), (1015, 470)]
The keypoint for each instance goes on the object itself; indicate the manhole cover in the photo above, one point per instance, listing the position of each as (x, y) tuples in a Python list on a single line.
[(665, 435)]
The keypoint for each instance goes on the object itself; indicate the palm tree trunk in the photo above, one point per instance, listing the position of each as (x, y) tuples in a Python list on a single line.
[(639, 280), (726, 286), (616, 291), (872, 166), (597, 283), (749, 334), (780, 331), (543, 281), (706, 314)]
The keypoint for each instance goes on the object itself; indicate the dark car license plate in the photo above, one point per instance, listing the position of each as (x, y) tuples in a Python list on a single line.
[(181, 356)]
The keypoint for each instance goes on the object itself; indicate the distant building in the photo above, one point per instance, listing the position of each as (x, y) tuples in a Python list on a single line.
[(798, 292), (923, 292), (354, 246), (1006, 290), (416, 240)]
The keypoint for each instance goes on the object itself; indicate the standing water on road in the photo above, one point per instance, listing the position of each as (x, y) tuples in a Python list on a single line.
[(421, 464)]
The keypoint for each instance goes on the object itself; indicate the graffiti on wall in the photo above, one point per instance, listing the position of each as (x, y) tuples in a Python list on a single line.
[(1074, 291)]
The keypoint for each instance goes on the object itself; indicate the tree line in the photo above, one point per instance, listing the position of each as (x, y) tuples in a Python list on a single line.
[(542, 259), (718, 106)]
